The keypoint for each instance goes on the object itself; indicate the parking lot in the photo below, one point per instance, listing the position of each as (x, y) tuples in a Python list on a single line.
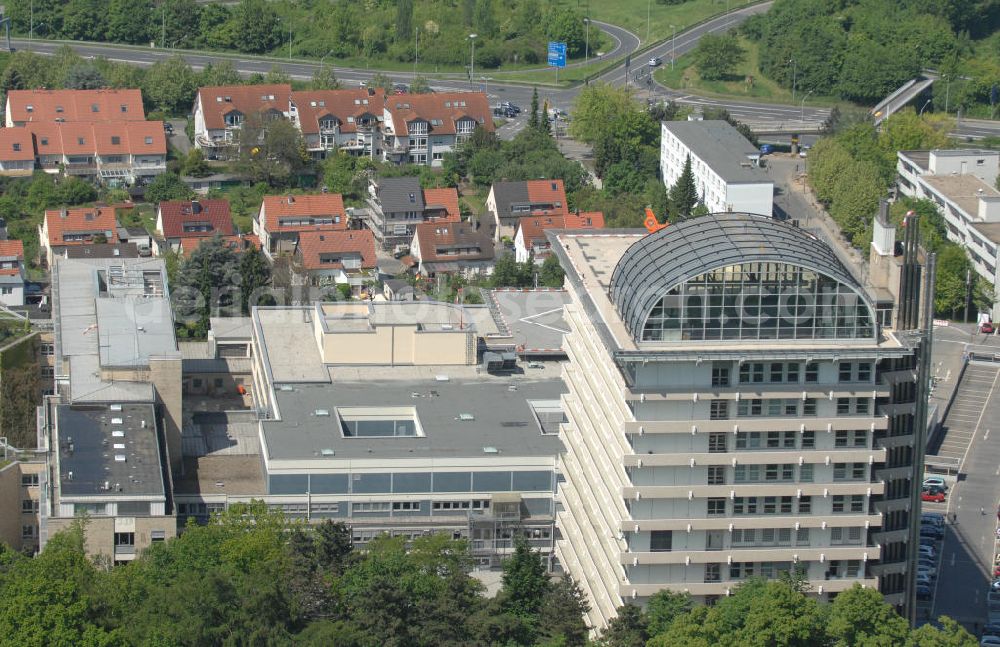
[(966, 555)]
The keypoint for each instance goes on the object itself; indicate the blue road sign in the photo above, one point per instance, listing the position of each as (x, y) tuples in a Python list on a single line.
[(557, 54)]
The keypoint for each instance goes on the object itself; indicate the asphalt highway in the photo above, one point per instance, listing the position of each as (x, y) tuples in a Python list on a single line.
[(764, 117)]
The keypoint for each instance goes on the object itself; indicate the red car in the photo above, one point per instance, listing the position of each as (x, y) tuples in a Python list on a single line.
[(986, 328), (936, 497)]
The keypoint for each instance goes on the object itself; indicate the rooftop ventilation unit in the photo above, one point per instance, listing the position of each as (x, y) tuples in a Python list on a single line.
[(116, 407), (322, 412), (116, 421), (326, 452), (118, 434), (465, 417), (119, 458), (490, 450)]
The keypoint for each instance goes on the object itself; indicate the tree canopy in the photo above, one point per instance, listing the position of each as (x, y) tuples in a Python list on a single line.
[(436, 31), (250, 576)]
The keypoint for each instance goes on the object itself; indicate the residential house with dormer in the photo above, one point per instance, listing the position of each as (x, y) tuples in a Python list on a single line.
[(330, 258), (182, 225), (458, 248), (396, 205), (64, 228), (220, 111), (508, 202), (422, 128), (282, 218), (344, 120), (107, 105)]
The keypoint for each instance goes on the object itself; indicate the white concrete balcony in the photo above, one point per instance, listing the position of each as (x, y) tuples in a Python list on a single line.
[(734, 425), (760, 391), (768, 554), (730, 523), (751, 489), (757, 457)]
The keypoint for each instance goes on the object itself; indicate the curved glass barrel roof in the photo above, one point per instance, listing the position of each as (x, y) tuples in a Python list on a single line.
[(737, 276)]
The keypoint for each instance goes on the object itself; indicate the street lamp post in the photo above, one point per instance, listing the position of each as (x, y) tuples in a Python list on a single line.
[(924, 107), (472, 61), (486, 80), (792, 61), (802, 108), (586, 48), (416, 37)]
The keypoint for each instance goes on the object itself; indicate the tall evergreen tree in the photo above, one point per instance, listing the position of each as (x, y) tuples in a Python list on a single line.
[(684, 194), (533, 117)]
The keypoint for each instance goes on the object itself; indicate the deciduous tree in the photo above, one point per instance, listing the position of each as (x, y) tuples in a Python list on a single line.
[(717, 57)]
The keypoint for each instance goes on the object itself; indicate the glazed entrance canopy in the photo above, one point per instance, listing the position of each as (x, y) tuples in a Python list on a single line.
[(737, 276)]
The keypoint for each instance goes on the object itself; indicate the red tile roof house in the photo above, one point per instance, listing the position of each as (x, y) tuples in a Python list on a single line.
[(530, 241), (183, 224), (337, 257), (220, 111), (345, 120), (421, 128), (283, 217), (11, 272), (63, 228), (396, 205), (17, 152), (452, 248), (510, 201), (105, 105), (127, 152)]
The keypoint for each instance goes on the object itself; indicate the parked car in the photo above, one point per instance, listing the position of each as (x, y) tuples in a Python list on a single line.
[(933, 532), (936, 481), (927, 551), (656, 61), (936, 496), (766, 149), (932, 518), (990, 641), (924, 593), (923, 579), (168, 128), (995, 586), (927, 571), (987, 328)]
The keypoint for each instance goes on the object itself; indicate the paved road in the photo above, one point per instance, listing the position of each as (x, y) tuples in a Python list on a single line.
[(968, 550), (760, 116), (499, 90)]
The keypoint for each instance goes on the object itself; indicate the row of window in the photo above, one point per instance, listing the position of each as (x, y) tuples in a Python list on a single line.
[(785, 472), (747, 505), (784, 407)]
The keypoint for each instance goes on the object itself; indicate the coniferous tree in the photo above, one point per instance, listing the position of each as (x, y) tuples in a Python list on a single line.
[(533, 117), (684, 194)]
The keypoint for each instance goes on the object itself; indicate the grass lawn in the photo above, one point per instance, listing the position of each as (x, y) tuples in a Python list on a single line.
[(142, 215), (746, 82), (631, 14)]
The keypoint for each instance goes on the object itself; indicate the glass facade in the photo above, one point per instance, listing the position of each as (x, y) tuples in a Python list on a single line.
[(759, 301)]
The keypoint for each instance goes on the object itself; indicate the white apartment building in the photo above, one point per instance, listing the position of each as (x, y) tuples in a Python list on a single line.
[(726, 166), (734, 410), (962, 183)]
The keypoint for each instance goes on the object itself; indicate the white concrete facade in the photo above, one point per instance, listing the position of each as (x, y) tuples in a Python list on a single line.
[(962, 185), (747, 189), (693, 465)]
